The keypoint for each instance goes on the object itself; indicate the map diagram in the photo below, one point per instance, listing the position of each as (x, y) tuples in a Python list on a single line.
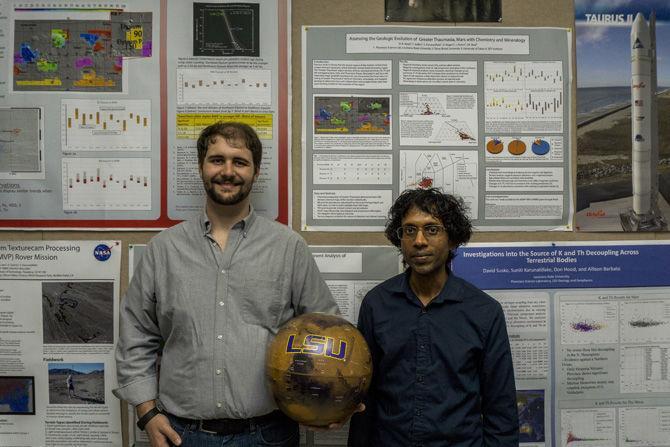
[(530, 405), (352, 115), (454, 172), (65, 55)]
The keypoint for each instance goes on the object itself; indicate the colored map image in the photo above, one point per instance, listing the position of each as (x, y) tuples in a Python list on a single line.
[(530, 405), (352, 115), (65, 55), (17, 395)]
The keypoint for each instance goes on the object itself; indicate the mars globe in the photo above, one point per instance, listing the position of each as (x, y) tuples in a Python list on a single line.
[(319, 369)]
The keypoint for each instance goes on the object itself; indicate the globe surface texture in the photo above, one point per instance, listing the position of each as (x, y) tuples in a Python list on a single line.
[(319, 369)]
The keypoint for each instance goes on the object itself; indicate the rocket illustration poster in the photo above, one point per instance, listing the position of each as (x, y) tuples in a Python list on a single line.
[(623, 105)]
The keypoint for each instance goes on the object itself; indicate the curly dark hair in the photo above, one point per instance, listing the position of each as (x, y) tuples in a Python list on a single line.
[(449, 209), (235, 134)]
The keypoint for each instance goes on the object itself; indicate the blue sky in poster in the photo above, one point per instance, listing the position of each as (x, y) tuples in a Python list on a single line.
[(603, 44), (83, 368)]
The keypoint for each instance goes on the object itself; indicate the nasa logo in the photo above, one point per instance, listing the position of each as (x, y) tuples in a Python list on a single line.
[(102, 252), (640, 85), (639, 138), (317, 345)]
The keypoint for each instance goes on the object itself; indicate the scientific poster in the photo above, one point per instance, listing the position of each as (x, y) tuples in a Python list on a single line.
[(101, 104), (482, 113), (230, 63), (75, 150), (59, 325), (588, 326), (623, 101)]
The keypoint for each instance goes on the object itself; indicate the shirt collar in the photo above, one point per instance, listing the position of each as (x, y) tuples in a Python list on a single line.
[(452, 290), (244, 224)]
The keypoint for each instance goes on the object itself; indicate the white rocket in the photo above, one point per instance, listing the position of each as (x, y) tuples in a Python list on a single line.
[(644, 122)]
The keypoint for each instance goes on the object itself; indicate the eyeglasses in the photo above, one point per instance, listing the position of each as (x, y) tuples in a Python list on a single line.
[(429, 231)]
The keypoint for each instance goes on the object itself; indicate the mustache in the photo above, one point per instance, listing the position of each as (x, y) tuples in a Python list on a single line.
[(219, 179)]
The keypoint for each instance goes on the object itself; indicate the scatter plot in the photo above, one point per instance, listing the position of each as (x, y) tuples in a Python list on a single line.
[(586, 323)]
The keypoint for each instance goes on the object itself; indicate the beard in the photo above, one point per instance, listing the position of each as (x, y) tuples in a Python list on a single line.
[(244, 189)]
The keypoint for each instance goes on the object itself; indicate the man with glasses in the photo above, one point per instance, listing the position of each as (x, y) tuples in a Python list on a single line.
[(442, 361)]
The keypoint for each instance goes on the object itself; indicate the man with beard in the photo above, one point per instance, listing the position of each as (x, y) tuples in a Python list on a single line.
[(442, 365), (213, 291)]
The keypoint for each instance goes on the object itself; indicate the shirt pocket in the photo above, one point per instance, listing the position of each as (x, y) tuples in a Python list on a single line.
[(260, 302)]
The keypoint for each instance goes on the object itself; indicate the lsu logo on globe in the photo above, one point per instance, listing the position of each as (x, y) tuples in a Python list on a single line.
[(318, 368), (318, 345)]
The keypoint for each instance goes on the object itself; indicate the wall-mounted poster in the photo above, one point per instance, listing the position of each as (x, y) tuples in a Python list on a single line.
[(59, 327), (482, 113), (101, 105), (623, 101), (231, 64), (588, 328)]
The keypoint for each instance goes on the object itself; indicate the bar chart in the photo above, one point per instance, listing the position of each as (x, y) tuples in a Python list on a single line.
[(105, 125), (106, 184)]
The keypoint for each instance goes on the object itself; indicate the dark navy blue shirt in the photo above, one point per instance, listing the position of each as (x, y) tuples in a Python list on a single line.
[(442, 374)]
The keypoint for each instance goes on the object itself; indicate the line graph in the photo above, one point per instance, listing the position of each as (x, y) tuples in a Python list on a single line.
[(645, 426)]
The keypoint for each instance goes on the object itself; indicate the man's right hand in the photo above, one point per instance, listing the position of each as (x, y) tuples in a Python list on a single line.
[(159, 430), (161, 433)]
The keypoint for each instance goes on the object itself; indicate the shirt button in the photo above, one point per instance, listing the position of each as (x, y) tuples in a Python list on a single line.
[(417, 412), (421, 347), (220, 303), (419, 378), (218, 405), (223, 271), (218, 372), (220, 337)]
